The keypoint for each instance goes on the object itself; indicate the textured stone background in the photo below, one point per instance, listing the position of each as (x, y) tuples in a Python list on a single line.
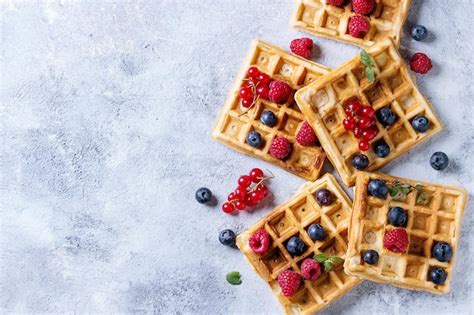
[(107, 109)]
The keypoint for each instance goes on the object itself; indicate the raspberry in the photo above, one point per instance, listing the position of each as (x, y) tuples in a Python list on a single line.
[(306, 135), (289, 282), (280, 148), (259, 241), (420, 63), (310, 269), (279, 92), (364, 7), (396, 240), (358, 26), (337, 3), (302, 47)]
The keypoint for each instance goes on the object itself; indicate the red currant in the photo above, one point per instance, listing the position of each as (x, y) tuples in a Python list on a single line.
[(256, 196), (368, 111), (246, 93), (264, 78), (369, 134), (366, 122), (349, 123), (231, 196), (247, 103), (263, 90), (240, 205), (358, 132), (263, 189), (364, 145), (256, 174), (352, 108), (249, 201), (253, 72), (227, 207), (240, 193), (244, 181)]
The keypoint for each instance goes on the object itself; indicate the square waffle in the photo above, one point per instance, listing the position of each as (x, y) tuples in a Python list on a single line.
[(233, 124), (322, 103), (321, 19), (437, 219), (293, 218)]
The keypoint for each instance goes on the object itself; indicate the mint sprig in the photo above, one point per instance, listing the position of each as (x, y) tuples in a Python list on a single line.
[(369, 66), (328, 261), (233, 278), (399, 191)]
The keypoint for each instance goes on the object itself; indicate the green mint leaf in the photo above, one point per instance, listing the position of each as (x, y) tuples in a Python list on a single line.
[(328, 265), (419, 187), (422, 199), (320, 258), (365, 59), (233, 278), (370, 74), (336, 260), (394, 191), (405, 190)]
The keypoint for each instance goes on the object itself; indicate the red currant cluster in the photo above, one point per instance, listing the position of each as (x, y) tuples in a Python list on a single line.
[(256, 85), (249, 193), (360, 120)]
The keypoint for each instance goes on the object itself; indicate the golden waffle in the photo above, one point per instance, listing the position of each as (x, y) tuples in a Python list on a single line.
[(437, 219), (233, 126), (292, 218), (322, 104), (319, 18)]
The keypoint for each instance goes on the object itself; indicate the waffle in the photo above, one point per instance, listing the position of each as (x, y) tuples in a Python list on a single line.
[(233, 125), (292, 218), (436, 219), (322, 104), (321, 19)]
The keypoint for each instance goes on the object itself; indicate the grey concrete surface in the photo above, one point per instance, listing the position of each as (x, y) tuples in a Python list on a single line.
[(107, 109)]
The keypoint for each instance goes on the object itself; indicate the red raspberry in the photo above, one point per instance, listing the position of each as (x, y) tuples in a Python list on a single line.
[(358, 26), (310, 269), (302, 47), (259, 241), (364, 7), (289, 282), (420, 63), (280, 148), (337, 3), (279, 92), (306, 136), (396, 240)]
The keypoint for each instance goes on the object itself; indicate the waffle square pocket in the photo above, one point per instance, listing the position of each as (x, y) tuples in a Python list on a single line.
[(412, 226), (322, 19), (235, 121), (293, 219), (324, 104)]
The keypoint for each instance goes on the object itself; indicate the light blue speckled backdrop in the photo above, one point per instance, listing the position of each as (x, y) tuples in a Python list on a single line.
[(107, 109)]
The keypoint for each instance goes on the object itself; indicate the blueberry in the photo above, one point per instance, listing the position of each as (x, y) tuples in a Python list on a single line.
[(371, 257), (397, 217), (437, 275), (442, 251), (360, 161), (254, 139), (381, 148), (295, 246), (324, 197), (316, 232), (420, 123), (419, 32), (386, 116), (268, 118), (439, 161), (203, 195), (377, 188), (227, 238)]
